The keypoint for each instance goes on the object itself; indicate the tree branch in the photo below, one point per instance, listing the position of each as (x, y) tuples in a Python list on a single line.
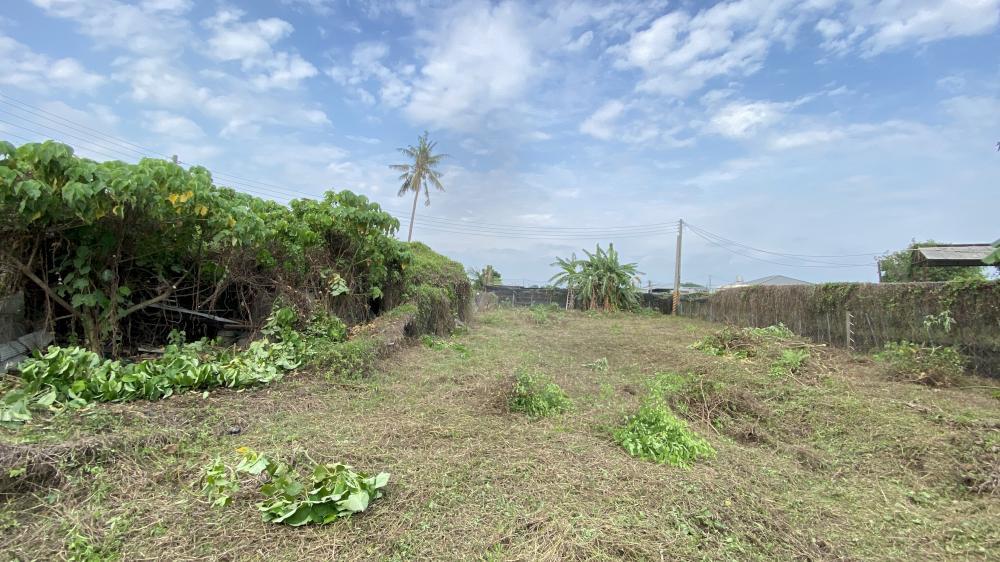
[(158, 298), (26, 271)]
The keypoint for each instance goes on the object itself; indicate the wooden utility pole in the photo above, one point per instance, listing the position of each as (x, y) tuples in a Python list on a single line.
[(174, 158), (677, 269)]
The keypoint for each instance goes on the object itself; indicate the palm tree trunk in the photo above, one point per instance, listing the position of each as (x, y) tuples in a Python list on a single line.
[(413, 213)]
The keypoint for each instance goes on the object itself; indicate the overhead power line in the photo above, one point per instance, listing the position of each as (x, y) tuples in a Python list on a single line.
[(812, 264), (733, 242)]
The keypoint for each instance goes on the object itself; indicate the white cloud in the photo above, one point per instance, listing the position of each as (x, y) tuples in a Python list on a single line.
[(366, 64), (725, 172), (252, 44), (882, 25), (160, 81), (829, 28), (678, 53), (742, 119), (29, 70), (581, 42), (155, 27), (248, 42), (480, 59), (601, 124), (172, 125), (859, 135)]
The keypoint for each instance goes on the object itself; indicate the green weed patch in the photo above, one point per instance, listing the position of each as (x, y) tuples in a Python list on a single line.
[(654, 433), (789, 363), (537, 396), (930, 365)]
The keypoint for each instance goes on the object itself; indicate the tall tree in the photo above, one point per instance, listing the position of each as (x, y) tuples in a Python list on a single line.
[(416, 175)]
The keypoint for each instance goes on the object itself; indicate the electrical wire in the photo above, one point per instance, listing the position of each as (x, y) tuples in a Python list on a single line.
[(733, 242), (752, 257)]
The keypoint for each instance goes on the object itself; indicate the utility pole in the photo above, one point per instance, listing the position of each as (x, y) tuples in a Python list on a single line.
[(677, 269)]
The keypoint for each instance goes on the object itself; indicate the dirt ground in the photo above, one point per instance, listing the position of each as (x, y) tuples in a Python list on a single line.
[(832, 463)]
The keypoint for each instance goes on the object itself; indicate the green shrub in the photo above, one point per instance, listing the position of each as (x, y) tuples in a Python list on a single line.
[(537, 396), (930, 365), (654, 433)]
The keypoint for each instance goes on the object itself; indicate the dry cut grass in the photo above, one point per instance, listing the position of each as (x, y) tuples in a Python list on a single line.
[(830, 462)]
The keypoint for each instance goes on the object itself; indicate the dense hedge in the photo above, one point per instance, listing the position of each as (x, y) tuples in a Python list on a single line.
[(96, 244), (881, 313)]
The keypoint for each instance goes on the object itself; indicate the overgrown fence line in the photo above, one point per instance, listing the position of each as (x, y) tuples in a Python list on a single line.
[(512, 295), (962, 314)]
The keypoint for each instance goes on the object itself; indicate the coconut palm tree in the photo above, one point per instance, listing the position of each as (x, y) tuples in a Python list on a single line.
[(416, 175)]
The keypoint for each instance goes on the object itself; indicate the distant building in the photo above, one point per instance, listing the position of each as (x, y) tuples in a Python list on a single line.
[(772, 280)]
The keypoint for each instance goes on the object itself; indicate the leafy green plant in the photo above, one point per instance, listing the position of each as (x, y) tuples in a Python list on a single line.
[(219, 483), (537, 396), (654, 433), (329, 492), (73, 377), (930, 365), (790, 362)]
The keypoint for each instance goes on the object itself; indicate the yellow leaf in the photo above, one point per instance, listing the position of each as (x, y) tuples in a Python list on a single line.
[(187, 195), (231, 223), (202, 210), (173, 197)]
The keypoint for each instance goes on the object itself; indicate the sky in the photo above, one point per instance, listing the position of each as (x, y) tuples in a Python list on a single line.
[(798, 138)]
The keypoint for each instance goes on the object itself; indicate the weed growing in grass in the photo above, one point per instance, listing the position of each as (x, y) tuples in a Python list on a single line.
[(930, 365), (542, 313), (537, 396), (654, 433), (81, 549), (742, 342), (219, 483), (332, 490), (598, 366), (441, 344), (789, 363)]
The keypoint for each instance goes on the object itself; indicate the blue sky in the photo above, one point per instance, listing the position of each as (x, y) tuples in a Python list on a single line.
[(817, 128)]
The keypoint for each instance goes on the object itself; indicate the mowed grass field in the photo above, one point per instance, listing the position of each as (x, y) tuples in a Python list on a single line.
[(833, 462)]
